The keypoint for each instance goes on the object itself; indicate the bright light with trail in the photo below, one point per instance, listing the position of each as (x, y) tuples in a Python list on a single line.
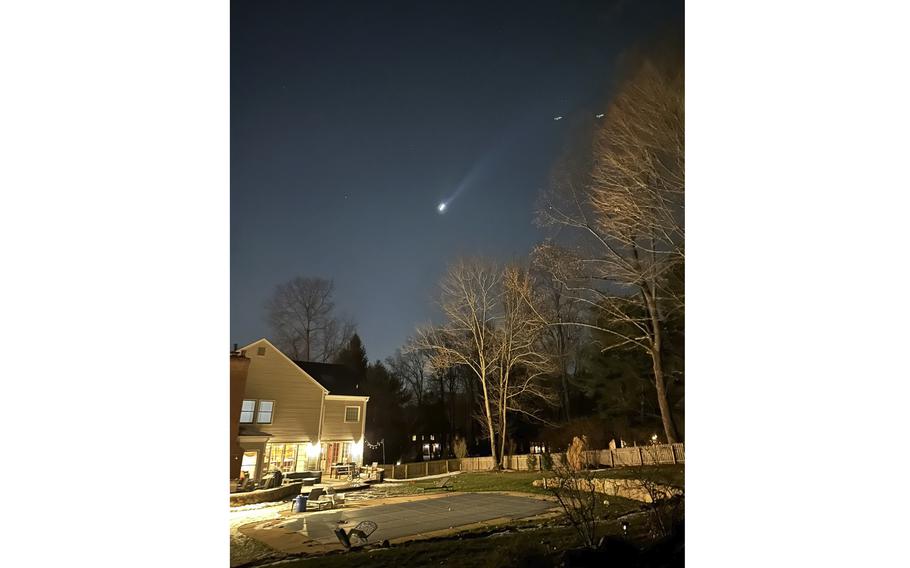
[(441, 207)]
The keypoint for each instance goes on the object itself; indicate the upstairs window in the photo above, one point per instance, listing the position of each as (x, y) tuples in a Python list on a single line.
[(352, 414), (261, 351), (265, 412), (246, 411)]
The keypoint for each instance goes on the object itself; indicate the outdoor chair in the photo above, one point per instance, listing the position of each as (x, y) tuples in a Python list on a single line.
[(337, 499), (444, 483), (361, 532), (325, 499), (318, 499)]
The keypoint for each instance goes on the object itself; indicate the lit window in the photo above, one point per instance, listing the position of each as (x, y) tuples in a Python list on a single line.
[(265, 412), (352, 414), (246, 411), (414, 438), (431, 437)]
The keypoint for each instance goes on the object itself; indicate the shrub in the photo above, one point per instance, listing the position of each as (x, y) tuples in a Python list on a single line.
[(546, 462), (460, 447), (532, 462), (575, 455), (575, 490)]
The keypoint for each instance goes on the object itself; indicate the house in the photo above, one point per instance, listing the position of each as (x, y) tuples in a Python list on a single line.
[(294, 416)]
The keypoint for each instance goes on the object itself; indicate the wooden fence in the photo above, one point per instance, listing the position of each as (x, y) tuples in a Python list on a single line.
[(618, 457)]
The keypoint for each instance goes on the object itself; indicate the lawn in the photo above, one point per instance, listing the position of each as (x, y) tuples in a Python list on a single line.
[(522, 481)]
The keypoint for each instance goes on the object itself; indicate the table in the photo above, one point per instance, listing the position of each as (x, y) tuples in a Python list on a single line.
[(341, 470)]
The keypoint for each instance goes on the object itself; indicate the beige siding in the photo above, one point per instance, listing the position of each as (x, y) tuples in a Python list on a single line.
[(334, 427), (298, 399)]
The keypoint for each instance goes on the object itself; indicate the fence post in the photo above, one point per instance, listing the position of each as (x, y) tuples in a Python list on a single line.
[(426, 468), (673, 453), (641, 457)]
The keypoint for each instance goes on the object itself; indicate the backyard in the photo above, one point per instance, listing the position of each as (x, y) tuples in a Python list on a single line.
[(509, 539)]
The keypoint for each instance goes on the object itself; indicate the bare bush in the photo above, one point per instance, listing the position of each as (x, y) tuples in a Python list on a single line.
[(574, 488), (664, 506), (460, 447)]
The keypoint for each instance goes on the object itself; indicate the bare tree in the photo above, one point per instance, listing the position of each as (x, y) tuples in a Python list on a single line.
[(412, 366), (522, 363), (468, 301), (628, 216), (559, 340), (490, 330), (301, 316)]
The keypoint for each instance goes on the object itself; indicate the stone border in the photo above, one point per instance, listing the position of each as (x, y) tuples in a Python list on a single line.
[(265, 495)]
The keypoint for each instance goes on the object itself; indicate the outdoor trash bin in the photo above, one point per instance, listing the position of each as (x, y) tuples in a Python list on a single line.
[(300, 504)]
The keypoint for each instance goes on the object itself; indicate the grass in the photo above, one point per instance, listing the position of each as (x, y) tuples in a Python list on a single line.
[(522, 481), (534, 547)]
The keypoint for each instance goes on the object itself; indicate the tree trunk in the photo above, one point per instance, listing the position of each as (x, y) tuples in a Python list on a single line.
[(659, 384), (486, 403), (565, 391)]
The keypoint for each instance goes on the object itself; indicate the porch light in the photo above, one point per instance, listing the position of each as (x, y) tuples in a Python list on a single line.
[(312, 450), (357, 449)]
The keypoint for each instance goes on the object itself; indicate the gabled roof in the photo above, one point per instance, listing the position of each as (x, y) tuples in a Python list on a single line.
[(288, 359), (337, 378)]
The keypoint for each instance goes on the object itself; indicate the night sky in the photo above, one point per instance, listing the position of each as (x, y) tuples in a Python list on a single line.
[(351, 122)]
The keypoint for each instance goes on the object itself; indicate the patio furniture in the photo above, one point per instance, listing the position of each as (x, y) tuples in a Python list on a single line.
[(361, 532), (302, 475), (444, 483), (271, 480), (325, 498)]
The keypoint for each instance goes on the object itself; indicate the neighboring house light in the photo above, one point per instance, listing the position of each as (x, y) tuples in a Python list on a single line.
[(246, 411), (265, 412), (352, 414), (414, 438)]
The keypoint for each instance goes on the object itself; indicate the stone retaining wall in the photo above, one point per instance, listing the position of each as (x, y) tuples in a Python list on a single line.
[(628, 488), (265, 495)]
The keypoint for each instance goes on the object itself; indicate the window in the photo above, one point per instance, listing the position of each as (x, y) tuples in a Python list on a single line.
[(352, 414), (261, 351), (246, 411), (265, 412), (282, 457)]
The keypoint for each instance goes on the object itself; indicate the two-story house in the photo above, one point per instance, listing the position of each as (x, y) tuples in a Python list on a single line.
[(297, 416)]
